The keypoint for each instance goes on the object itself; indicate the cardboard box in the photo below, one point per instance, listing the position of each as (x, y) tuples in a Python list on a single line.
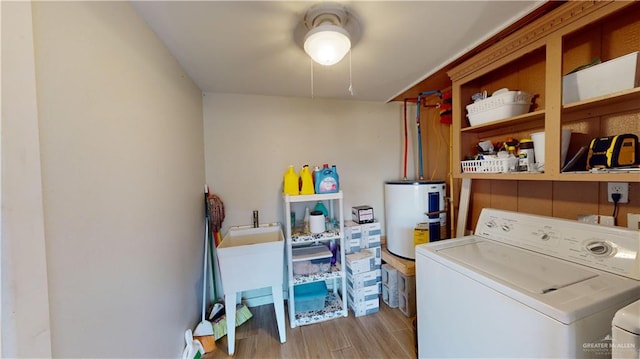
[(369, 234), (371, 242), (377, 254), (362, 214), (364, 294), (371, 229), (360, 262), (352, 246), (366, 279), (619, 74), (352, 237), (365, 308)]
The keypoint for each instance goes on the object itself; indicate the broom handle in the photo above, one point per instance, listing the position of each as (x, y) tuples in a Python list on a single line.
[(210, 237), (204, 270)]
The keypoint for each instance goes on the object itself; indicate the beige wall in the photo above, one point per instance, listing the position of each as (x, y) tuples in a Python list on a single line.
[(251, 140), (121, 154), (25, 305)]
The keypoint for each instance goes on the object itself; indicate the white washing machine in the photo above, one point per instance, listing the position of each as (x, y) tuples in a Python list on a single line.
[(625, 340), (525, 286)]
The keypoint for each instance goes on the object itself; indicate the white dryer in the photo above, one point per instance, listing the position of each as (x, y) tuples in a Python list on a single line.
[(525, 286), (625, 340)]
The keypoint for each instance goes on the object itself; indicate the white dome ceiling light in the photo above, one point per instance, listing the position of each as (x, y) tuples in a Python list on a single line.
[(327, 41)]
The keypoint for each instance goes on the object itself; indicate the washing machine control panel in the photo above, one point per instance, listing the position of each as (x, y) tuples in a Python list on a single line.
[(612, 249)]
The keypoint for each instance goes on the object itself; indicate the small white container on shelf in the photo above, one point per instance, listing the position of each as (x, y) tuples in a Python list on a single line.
[(502, 104)]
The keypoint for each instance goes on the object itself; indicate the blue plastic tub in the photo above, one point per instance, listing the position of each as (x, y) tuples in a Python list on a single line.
[(309, 296)]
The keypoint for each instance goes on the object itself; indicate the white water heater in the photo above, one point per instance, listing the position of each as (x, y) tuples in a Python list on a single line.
[(407, 203)]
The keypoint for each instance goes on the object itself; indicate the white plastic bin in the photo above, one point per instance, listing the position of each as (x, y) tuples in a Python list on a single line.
[(619, 74)]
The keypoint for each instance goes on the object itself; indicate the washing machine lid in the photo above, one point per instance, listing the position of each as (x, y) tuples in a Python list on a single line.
[(533, 273), (628, 318), (559, 289)]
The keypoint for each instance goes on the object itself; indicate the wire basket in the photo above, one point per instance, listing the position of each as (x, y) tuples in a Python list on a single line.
[(497, 165)]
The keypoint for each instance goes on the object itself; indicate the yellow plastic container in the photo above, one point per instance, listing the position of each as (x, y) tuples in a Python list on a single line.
[(307, 181), (291, 179), (421, 234)]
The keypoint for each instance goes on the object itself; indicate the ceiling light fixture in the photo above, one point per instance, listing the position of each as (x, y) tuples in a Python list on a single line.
[(327, 42)]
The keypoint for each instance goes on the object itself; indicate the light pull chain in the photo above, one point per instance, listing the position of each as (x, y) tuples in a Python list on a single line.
[(350, 77), (350, 81), (310, 60)]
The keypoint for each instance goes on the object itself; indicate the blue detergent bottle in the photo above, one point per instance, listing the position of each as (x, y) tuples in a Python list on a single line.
[(335, 172), (326, 180)]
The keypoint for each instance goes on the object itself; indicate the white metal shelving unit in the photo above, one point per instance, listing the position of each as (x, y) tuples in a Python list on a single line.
[(335, 303)]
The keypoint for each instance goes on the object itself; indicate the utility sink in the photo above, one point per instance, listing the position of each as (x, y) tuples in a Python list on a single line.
[(251, 258)]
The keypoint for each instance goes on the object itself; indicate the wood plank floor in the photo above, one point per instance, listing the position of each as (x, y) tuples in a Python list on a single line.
[(386, 334)]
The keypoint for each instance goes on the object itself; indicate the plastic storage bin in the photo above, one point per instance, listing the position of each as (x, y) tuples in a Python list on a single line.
[(310, 297), (497, 165), (311, 260), (619, 74), (501, 105)]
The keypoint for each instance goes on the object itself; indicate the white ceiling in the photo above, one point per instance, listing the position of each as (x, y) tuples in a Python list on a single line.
[(254, 47)]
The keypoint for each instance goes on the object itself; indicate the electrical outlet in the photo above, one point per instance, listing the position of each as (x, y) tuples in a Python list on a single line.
[(618, 187)]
